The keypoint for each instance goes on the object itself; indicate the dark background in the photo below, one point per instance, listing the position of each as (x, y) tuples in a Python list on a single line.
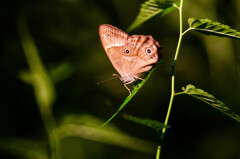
[(66, 31)]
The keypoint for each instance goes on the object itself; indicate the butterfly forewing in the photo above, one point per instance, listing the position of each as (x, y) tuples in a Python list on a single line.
[(113, 41)]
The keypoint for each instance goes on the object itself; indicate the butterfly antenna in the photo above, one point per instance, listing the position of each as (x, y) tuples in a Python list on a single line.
[(107, 79)]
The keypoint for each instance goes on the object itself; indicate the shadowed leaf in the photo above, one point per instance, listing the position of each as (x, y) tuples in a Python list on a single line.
[(154, 124), (209, 99), (61, 71)]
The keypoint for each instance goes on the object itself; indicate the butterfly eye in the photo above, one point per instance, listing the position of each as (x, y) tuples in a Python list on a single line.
[(148, 51), (127, 51)]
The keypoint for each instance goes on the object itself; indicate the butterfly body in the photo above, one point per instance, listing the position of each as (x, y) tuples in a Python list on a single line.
[(132, 56)]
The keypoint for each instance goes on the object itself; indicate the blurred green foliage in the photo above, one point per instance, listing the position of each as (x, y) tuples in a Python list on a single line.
[(66, 37)]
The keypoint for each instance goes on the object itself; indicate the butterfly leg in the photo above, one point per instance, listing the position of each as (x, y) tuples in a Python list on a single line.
[(125, 85), (140, 78), (116, 75)]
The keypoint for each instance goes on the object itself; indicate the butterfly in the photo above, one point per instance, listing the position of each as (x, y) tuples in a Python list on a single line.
[(131, 56)]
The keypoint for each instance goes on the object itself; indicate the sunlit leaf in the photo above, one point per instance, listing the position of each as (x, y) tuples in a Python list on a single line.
[(209, 99), (150, 10), (209, 27), (154, 124)]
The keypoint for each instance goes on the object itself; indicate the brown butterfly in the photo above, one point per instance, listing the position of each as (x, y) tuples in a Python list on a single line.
[(132, 56)]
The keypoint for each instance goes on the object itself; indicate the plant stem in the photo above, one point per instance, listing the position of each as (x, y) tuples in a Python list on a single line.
[(158, 152), (172, 80), (43, 86), (173, 70), (50, 125)]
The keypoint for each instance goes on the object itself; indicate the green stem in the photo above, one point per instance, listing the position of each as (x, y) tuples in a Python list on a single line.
[(43, 86), (179, 93), (172, 80), (158, 152), (50, 125), (173, 71)]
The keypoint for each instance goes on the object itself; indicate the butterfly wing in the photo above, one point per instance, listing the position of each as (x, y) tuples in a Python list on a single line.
[(131, 56), (113, 41), (145, 53)]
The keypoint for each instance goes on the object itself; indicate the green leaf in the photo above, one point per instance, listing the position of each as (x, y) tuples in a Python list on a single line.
[(105, 136), (137, 86), (82, 119), (86, 120), (209, 99), (61, 71), (209, 27), (152, 9), (154, 124)]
